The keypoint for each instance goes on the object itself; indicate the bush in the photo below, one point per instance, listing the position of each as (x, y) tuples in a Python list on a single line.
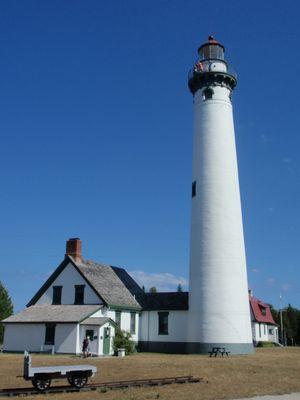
[(265, 344), (122, 340)]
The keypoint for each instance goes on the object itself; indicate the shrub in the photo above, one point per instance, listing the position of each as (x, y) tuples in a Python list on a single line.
[(265, 344), (122, 340)]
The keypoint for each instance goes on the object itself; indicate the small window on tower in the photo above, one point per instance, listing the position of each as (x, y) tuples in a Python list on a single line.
[(207, 94), (194, 189)]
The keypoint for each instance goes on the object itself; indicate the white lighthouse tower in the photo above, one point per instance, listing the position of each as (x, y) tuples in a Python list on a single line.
[(219, 312)]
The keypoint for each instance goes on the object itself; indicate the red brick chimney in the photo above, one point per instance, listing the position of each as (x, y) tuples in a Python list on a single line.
[(73, 249)]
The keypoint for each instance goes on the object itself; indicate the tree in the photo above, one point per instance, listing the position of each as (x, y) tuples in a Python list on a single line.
[(122, 340), (275, 313), (291, 323), (6, 307), (179, 288), (298, 331), (153, 289)]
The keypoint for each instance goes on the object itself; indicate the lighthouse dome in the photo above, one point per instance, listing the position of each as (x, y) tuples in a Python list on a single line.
[(212, 49)]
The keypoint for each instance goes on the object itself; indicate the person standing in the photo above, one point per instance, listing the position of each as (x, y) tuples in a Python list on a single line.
[(85, 346)]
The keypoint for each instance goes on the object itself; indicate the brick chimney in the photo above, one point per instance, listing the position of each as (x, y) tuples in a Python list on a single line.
[(73, 249)]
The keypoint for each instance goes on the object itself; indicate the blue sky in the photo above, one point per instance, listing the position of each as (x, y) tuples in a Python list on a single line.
[(96, 136)]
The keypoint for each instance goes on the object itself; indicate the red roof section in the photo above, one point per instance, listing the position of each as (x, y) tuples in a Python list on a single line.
[(258, 308)]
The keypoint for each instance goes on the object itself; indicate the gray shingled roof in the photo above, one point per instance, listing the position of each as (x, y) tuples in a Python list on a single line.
[(153, 301), (53, 313), (128, 281), (107, 284), (97, 321)]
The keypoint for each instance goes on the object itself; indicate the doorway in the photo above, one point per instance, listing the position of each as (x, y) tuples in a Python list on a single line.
[(106, 341), (93, 346)]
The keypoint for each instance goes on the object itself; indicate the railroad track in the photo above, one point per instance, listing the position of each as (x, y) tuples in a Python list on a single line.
[(101, 386)]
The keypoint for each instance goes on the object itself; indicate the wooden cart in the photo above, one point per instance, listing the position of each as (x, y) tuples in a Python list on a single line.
[(41, 377)]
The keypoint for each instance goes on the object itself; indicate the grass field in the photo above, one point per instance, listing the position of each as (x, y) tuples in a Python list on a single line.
[(269, 371)]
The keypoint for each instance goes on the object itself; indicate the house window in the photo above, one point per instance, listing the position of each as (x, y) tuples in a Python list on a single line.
[(259, 330), (265, 329), (271, 331), (132, 323), (207, 94), (194, 184), (163, 322), (118, 318), (56, 298), (79, 294), (90, 333), (50, 334)]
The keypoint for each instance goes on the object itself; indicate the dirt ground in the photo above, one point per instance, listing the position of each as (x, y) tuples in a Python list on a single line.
[(269, 371)]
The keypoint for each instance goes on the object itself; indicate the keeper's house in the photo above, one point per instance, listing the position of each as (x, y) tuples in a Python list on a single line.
[(84, 298), (80, 298), (264, 328)]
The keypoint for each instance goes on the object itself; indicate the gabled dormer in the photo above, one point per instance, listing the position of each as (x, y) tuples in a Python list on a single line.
[(260, 312)]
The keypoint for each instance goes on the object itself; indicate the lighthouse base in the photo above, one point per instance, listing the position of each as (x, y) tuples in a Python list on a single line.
[(193, 348), (205, 348)]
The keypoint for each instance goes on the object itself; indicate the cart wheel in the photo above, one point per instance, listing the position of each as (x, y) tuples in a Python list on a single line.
[(41, 384), (79, 381)]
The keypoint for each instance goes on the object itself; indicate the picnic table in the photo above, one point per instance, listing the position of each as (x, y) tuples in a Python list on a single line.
[(218, 351)]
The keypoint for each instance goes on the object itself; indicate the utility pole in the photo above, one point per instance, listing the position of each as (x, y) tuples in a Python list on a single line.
[(281, 321)]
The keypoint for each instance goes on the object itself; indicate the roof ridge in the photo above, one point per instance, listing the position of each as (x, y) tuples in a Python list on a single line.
[(259, 301)]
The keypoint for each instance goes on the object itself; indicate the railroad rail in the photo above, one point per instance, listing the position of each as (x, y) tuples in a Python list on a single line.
[(104, 386)]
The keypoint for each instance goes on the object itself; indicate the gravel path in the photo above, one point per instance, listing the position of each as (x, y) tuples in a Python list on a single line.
[(293, 396)]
